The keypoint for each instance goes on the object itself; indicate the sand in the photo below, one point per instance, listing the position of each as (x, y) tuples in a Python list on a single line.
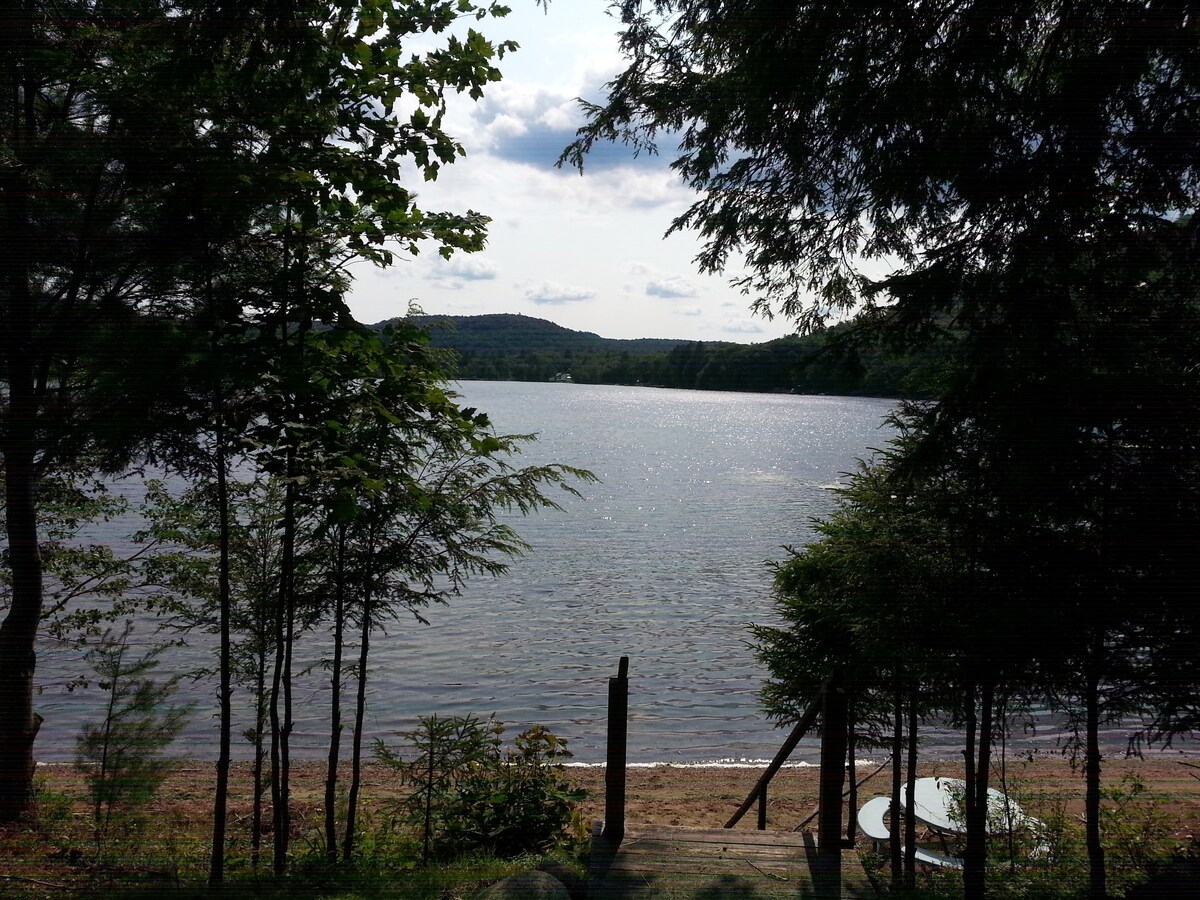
[(704, 796)]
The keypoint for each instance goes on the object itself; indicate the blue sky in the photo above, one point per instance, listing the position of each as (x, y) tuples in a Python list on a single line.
[(584, 251)]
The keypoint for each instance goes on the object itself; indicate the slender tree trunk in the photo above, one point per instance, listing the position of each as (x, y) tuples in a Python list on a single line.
[(910, 818), (852, 768), (281, 686), (277, 801), (335, 713), (1097, 887), (1009, 829), (359, 715), (971, 881), (18, 660), (101, 815), (260, 730), (894, 825), (975, 856), (833, 774), (216, 872)]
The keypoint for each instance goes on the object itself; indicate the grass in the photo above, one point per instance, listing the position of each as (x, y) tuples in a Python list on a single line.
[(167, 856)]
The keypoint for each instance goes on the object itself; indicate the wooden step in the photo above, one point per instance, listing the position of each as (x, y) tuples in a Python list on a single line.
[(676, 863)]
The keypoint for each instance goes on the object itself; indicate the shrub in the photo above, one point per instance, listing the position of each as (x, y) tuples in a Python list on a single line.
[(470, 794)]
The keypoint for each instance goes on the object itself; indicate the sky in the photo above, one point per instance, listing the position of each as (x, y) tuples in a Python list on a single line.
[(584, 251)]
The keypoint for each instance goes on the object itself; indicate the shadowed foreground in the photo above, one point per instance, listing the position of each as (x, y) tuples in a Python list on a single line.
[(676, 863)]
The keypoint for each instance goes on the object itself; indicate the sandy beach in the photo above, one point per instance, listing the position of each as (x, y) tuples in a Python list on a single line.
[(702, 796)]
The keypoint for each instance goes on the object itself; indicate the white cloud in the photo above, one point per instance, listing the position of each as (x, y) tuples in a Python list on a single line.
[(586, 251), (471, 268), (507, 126), (460, 271), (671, 287), (549, 293)]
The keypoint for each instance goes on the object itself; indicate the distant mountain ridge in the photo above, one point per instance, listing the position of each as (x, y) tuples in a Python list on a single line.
[(511, 332), (510, 347)]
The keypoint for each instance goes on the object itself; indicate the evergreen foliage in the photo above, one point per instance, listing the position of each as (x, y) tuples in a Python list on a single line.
[(1025, 177), (121, 755)]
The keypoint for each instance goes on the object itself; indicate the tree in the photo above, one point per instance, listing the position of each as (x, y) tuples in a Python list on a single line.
[(1024, 173), (148, 146), (121, 755), (957, 142), (414, 511), (71, 210), (896, 596), (188, 530)]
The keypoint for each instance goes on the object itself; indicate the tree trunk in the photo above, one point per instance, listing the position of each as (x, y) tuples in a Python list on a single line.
[(359, 715), (335, 712), (852, 769), (833, 773), (260, 729), (18, 722), (910, 817), (18, 661), (971, 883), (1097, 888), (216, 871), (281, 687), (975, 855), (894, 841)]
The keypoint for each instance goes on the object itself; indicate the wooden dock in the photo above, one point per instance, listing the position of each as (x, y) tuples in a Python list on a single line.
[(673, 863)]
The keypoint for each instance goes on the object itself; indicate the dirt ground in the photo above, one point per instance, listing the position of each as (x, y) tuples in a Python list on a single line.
[(700, 796), (675, 795), (667, 795)]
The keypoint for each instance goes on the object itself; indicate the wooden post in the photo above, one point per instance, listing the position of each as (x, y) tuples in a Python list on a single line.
[(833, 770), (762, 809), (614, 771)]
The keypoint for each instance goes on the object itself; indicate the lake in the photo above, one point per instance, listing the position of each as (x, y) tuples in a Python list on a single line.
[(665, 561)]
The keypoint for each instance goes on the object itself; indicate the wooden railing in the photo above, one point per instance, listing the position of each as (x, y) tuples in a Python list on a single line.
[(759, 791), (829, 705)]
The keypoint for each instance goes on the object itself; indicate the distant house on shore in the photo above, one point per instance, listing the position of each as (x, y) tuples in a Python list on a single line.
[(562, 377)]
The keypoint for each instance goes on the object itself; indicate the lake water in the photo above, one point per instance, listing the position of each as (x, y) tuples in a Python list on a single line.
[(664, 561)]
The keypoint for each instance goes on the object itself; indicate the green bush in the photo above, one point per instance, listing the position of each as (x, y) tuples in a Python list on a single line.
[(470, 794)]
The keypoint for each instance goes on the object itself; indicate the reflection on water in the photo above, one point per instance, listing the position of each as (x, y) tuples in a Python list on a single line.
[(664, 561)]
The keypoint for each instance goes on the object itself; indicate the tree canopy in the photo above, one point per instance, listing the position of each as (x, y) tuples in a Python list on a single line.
[(182, 186), (955, 143), (1025, 174)]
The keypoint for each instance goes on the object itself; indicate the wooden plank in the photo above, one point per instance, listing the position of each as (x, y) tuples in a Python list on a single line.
[(740, 865), (703, 851), (667, 863), (728, 837)]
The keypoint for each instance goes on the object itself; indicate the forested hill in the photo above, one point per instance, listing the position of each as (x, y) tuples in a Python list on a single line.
[(522, 348), (511, 333)]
